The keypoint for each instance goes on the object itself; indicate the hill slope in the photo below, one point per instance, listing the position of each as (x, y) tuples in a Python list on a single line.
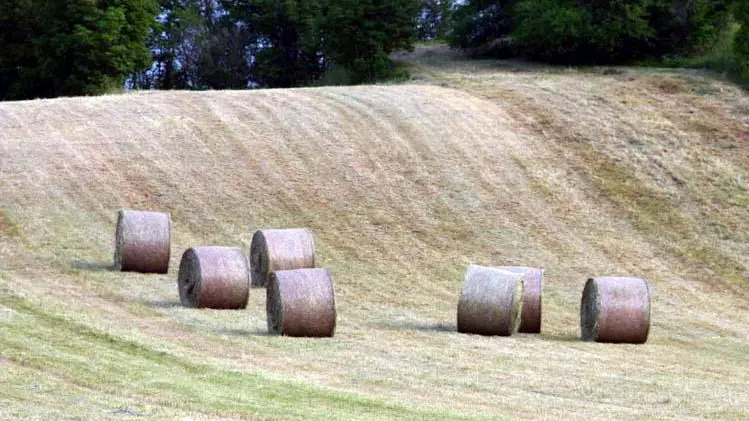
[(623, 172)]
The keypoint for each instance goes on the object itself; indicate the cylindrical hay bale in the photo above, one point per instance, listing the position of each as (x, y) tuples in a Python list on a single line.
[(301, 302), (214, 277), (280, 249), (490, 301), (615, 309), (142, 241), (533, 284)]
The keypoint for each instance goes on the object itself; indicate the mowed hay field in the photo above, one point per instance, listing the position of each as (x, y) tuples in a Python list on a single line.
[(597, 172)]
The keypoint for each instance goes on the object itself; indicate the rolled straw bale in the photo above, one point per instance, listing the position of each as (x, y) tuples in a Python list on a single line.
[(615, 309), (490, 301), (280, 249), (533, 284), (214, 277), (142, 241), (301, 302)]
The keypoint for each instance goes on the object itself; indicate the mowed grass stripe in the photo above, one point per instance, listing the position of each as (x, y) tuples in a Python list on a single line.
[(104, 363)]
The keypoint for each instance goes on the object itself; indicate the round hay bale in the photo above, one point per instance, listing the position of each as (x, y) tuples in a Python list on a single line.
[(214, 277), (615, 309), (280, 249), (142, 241), (533, 284), (301, 302), (490, 301)]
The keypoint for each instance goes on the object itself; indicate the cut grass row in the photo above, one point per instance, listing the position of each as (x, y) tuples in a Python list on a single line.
[(106, 364)]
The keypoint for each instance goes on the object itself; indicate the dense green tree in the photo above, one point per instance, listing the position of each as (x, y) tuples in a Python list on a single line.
[(478, 23), (602, 31), (285, 42), (686, 27), (591, 31), (76, 47), (741, 43), (359, 35), (17, 59), (551, 29)]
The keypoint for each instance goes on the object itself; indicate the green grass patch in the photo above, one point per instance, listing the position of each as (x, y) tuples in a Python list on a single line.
[(106, 363)]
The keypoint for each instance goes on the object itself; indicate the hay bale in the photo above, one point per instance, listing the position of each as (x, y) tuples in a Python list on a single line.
[(533, 283), (615, 309), (142, 241), (301, 302), (490, 301), (280, 249), (214, 277)]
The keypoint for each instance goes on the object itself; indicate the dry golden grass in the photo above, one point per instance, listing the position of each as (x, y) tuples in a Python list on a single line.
[(583, 173)]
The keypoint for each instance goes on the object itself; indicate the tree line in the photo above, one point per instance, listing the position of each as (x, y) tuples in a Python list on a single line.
[(52, 48), (605, 31)]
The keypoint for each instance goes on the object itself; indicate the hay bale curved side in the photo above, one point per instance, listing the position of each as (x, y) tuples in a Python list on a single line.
[(490, 301), (301, 302), (214, 277), (142, 241), (280, 249), (615, 309), (533, 285)]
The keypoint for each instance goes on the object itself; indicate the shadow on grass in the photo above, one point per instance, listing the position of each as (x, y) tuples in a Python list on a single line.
[(163, 303), (421, 327), (241, 332), (557, 338), (92, 266)]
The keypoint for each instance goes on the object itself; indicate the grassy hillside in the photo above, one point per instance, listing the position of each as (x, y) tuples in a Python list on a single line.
[(584, 173)]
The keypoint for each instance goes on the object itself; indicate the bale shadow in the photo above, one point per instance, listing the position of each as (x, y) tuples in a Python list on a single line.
[(241, 332), (557, 338), (163, 303), (92, 266), (421, 327)]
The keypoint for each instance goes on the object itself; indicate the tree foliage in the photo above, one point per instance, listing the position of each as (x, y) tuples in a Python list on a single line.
[(75, 47), (285, 39), (359, 35), (434, 19), (478, 23), (194, 46), (741, 43), (592, 31)]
